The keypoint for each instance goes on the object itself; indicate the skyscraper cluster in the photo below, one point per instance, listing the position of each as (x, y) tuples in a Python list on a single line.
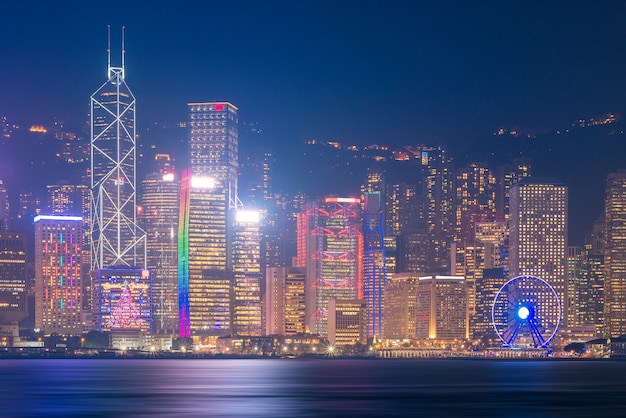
[(186, 252)]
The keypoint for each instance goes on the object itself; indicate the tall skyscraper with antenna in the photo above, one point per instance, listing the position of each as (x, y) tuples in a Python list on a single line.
[(116, 238), (121, 284)]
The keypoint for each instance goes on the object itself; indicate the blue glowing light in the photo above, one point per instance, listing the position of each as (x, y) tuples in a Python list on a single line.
[(523, 312)]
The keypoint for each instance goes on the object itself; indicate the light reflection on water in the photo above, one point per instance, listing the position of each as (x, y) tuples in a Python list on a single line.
[(311, 388)]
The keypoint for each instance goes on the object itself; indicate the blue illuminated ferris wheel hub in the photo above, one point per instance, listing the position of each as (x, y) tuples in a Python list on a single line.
[(523, 312)]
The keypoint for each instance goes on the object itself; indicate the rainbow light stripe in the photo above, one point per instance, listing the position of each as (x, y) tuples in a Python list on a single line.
[(183, 255)]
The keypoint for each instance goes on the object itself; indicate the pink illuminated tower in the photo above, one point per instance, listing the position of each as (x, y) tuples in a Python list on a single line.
[(330, 248)]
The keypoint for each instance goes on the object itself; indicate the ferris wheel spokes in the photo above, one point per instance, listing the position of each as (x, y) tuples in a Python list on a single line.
[(526, 312)]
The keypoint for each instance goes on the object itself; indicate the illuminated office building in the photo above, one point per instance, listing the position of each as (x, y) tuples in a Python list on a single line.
[(575, 259), (374, 257), (401, 208), (375, 183), (475, 200), (390, 243), (413, 250), (74, 200), (214, 142), (116, 238), (208, 195), (5, 214), (481, 325), (68, 199), (438, 207), (295, 303), (491, 240), (284, 301), (30, 204), (204, 270), (347, 320), (274, 300), (507, 176), (246, 253), (71, 200), (589, 287), (615, 255), (121, 299), (400, 306), (330, 248), (158, 214), (538, 234), (486, 253), (13, 300), (442, 308), (58, 274)]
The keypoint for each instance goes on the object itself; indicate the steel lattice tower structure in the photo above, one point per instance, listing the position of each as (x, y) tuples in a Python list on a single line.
[(116, 238)]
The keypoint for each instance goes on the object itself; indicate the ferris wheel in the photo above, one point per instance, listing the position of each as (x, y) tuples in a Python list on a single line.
[(526, 313)]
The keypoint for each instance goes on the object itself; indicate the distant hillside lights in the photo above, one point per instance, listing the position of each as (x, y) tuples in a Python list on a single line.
[(38, 129)]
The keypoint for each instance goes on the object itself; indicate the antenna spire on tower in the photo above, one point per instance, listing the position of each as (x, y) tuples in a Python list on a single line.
[(123, 50), (116, 69), (108, 51)]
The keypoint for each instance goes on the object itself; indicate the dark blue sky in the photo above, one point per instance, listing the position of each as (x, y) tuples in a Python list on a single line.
[(400, 72)]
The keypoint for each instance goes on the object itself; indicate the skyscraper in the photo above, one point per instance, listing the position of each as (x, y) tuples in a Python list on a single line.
[(204, 265), (13, 306), (74, 200), (116, 239), (487, 287), (330, 247), (5, 214), (208, 194), (214, 143), (374, 268), (507, 176), (575, 260), (589, 297), (538, 234), (68, 199), (475, 202), (487, 254), (442, 308), (58, 274), (401, 208), (615, 255), (399, 307), (247, 316), (158, 214), (438, 204), (284, 301)]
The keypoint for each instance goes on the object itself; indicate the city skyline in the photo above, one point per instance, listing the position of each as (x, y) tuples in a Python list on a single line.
[(430, 207), (372, 181)]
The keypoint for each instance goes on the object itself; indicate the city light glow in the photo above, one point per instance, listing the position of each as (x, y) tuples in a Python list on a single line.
[(198, 182), (252, 216), (56, 218)]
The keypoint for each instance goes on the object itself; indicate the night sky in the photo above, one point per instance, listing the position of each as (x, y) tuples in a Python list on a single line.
[(401, 72)]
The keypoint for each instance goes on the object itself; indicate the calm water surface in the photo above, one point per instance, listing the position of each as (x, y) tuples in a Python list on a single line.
[(311, 388)]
